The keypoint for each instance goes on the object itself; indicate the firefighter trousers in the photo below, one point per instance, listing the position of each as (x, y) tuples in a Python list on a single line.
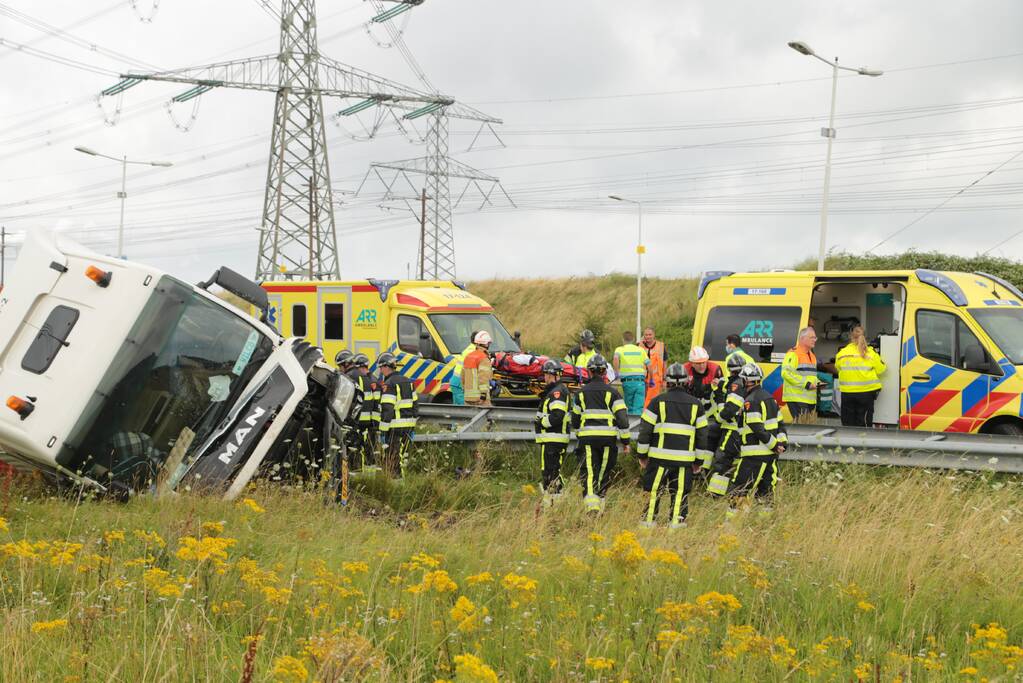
[(551, 457), (728, 450), (755, 475), (599, 455), (674, 477), (368, 452), (396, 454)]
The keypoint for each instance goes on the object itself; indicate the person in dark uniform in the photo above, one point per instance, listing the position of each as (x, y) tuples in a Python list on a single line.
[(399, 408), (552, 427), (600, 420), (730, 399), (763, 440)]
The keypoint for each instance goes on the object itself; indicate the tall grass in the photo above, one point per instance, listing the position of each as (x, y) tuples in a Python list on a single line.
[(869, 574)]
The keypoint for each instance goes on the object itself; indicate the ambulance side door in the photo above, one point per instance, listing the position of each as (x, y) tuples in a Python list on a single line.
[(334, 306)]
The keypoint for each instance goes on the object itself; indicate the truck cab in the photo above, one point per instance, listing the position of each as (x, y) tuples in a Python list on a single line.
[(952, 342), (124, 378)]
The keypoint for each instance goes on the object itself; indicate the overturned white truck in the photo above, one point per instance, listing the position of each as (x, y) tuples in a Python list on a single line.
[(121, 377)]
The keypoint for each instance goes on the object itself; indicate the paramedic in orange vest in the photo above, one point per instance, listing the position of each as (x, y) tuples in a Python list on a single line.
[(658, 356), (477, 371), (799, 375)]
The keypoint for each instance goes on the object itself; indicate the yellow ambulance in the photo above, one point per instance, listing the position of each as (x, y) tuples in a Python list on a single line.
[(953, 342), (423, 323)]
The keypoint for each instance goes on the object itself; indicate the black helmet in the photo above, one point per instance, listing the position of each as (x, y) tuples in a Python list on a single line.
[(343, 357), (587, 337), (751, 373), (360, 360), (387, 360), (597, 365), (735, 363), (551, 367), (676, 375)]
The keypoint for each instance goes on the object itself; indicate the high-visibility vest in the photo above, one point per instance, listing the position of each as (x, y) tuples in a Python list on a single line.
[(460, 361), (655, 370), (799, 377), (477, 371), (857, 374), (581, 359), (746, 358), (632, 360)]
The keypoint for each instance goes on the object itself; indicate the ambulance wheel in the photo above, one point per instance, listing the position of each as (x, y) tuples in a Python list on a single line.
[(1008, 429), (443, 398)]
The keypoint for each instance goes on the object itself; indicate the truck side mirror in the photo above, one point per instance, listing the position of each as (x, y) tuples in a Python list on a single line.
[(240, 286), (426, 348), (518, 339)]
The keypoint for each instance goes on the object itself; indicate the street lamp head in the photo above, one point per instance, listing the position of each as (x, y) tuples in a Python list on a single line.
[(615, 197), (802, 48), (864, 71), (86, 150), (160, 163)]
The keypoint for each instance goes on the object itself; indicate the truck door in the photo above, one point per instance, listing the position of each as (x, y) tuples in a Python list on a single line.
[(942, 392), (334, 305)]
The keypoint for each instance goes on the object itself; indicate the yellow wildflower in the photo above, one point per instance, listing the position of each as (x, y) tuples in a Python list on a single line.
[(63, 553), (727, 543), (573, 563), (482, 577), (22, 549), (967, 671), (520, 588), (626, 550), (596, 538), (472, 669), (48, 626), (534, 549), (529, 489), (253, 576), (437, 580), (160, 582), (669, 558), (863, 671), (149, 538), (466, 616), (668, 638), (276, 596), (756, 576), (288, 669), (355, 567), (600, 663), (3, 525), (713, 602), (207, 548), (395, 613), (113, 536), (864, 606), (212, 528), (252, 506), (227, 607)]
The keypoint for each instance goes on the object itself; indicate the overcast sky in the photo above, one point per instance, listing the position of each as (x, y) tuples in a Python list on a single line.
[(698, 109)]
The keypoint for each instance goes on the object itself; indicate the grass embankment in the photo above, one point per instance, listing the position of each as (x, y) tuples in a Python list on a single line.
[(858, 574), (551, 313)]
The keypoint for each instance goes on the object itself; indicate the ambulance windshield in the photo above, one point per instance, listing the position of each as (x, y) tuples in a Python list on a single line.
[(180, 370), (1005, 327), (455, 329)]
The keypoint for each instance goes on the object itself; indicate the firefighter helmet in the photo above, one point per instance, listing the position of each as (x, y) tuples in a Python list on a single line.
[(698, 354), (552, 367), (360, 360), (597, 365), (735, 363), (343, 357), (751, 373), (587, 337), (387, 360), (482, 338), (676, 375)]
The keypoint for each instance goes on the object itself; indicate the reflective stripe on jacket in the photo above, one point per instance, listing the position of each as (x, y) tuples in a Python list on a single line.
[(552, 418), (673, 427), (799, 377), (399, 403), (598, 410), (857, 374)]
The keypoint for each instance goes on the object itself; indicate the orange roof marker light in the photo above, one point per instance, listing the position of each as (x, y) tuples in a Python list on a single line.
[(98, 275), (20, 406)]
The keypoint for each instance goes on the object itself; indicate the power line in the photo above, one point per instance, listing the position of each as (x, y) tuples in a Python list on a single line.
[(49, 56)]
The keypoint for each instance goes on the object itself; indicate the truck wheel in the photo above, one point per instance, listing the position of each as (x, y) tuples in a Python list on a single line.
[(1008, 429)]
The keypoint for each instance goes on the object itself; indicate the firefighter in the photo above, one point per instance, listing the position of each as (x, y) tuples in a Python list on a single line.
[(658, 355), (552, 427), (343, 360), (399, 407), (799, 375), (457, 390), (580, 354), (600, 420), (477, 371), (763, 440), (366, 383), (672, 435), (730, 400), (630, 363), (704, 377)]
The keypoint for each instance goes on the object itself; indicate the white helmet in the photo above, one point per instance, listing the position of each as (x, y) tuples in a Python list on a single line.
[(698, 355), (482, 338)]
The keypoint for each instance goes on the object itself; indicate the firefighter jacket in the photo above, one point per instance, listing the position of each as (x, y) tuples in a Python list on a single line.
[(674, 428), (366, 389), (377, 385), (702, 385), (399, 403), (553, 416), (730, 398), (799, 377), (763, 429), (477, 371), (598, 410), (856, 373)]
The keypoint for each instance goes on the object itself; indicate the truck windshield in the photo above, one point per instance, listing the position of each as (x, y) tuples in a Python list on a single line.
[(455, 329), (1005, 327), (177, 374)]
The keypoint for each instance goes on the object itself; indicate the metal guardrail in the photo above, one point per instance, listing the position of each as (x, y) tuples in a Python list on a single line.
[(807, 443)]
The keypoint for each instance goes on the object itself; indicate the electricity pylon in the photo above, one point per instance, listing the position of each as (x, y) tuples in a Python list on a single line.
[(297, 236)]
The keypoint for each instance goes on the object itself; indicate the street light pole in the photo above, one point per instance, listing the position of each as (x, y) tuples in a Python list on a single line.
[(640, 250), (829, 132), (123, 194)]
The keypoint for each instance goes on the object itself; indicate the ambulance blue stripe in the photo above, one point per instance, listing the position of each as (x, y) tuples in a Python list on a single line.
[(909, 350), (918, 390), (975, 392)]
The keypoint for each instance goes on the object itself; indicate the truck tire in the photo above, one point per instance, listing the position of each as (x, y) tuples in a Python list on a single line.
[(1008, 429)]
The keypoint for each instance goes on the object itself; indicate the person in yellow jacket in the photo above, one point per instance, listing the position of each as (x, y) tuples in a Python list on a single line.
[(859, 370), (630, 363), (799, 375), (477, 371), (457, 390)]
